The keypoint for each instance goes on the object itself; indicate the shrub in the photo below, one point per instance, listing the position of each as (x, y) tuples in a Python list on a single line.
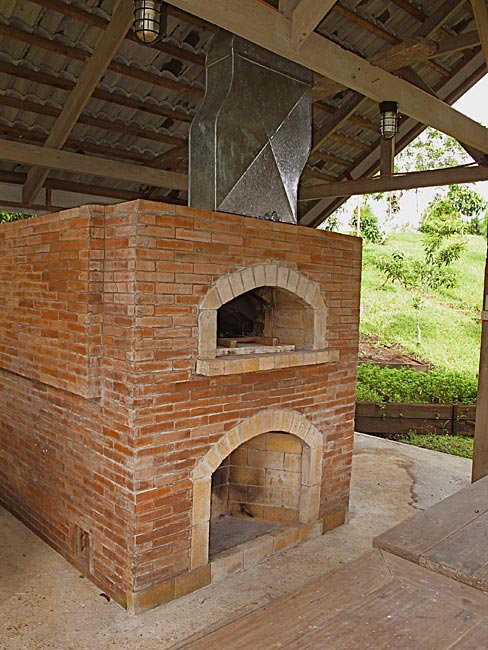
[(7, 217), (381, 385)]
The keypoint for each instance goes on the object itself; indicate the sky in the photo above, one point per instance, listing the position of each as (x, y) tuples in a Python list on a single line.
[(474, 104)]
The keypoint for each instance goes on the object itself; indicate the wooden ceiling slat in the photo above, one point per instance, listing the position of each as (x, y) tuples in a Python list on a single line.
[(331, 125), (107, 45), (97, 21), (411, 9), (38, 76), (78, 146), (80, 55)]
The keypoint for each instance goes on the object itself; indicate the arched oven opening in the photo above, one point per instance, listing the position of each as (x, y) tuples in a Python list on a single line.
[(266, 319)]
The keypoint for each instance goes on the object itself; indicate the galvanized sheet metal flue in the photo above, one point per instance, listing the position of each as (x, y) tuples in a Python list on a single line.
[(251, 137)]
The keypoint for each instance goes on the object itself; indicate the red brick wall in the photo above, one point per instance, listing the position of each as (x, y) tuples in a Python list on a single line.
[(116, 402), (50, 275)]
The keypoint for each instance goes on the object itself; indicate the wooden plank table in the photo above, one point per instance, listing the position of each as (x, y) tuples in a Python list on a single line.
[(379, 601), (422, 589), (450, 538)]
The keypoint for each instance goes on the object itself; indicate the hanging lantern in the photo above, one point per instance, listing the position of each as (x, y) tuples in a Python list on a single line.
[(389, 119), (149, 20)]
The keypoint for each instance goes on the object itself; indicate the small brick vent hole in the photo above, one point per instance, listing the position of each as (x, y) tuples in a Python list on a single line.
[(80, 546)]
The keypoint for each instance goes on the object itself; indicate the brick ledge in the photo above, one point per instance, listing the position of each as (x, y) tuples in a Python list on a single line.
[(255, 363)]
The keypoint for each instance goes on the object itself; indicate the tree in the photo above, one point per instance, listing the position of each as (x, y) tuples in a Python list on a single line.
[(368, 224), (330, 223), (442, 245), (430, 150), (470, 205)]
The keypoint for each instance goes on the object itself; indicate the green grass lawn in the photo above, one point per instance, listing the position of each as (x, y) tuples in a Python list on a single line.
[(451, 325), (448, 444)]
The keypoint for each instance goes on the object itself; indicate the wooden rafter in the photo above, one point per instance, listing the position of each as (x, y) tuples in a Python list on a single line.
[(305, 18), (480, 11), (48, 158), (64, 185), (268, 28), (82, 146), (113, 97), (413, 50), (432, 178), (115, 126), (97, 21), (107, 45), (80, 55), (320, 209)]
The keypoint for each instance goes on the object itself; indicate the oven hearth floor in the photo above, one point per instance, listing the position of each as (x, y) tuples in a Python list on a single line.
[(227, 532)]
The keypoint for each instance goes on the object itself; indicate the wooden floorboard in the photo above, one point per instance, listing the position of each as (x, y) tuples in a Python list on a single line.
[(379, 601)]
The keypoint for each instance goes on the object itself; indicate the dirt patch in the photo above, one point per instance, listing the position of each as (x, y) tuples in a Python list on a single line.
[(387, 355)]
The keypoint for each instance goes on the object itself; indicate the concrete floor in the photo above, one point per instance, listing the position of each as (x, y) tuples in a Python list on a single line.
[(45, 604)]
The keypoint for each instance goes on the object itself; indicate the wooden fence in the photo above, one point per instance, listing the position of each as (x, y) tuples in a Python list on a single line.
[(402, 418)]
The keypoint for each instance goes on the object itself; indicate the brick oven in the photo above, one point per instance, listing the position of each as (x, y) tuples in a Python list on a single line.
[(177, 389)]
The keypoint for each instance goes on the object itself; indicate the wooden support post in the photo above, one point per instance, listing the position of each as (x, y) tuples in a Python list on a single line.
[(387, 156), (480, 451)]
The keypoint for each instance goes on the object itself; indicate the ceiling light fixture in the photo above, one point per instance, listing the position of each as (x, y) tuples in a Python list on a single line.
[(389, 119), (150, 17)]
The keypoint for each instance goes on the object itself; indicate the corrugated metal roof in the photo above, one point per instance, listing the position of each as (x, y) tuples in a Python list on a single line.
[(144, 104)]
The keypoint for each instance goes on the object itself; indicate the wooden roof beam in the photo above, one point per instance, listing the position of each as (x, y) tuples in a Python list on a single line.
[(480, 11), (305, 18), (74, 187), (408, 181), (49, 158), (107, 45), (383, 33), (264, 26), (413, 50)]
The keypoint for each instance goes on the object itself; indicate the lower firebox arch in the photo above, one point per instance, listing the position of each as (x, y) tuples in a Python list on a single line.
[(267, 421)]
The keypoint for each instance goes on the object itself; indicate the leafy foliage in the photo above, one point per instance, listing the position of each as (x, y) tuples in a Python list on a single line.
[(469, 205), (451, 326), (368, 224), (431, 150), (380, 385), (7, 217), (330, 223)]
